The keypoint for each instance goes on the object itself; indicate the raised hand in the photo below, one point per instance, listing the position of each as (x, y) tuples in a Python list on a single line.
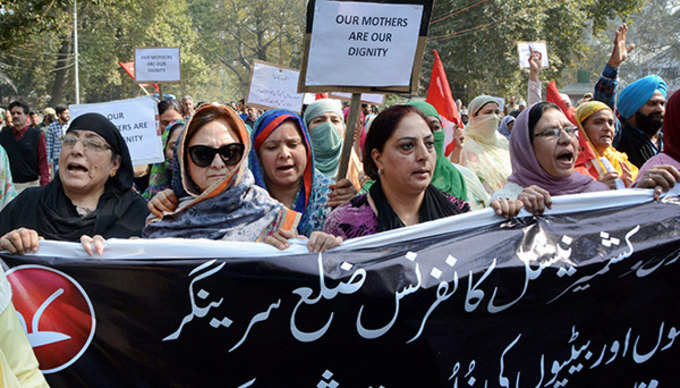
[(621, 51)]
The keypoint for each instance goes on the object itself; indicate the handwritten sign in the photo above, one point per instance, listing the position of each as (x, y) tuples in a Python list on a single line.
[(363, 44), (157, 64), (273, 86), (137, 121), (366, 98), (525, 49)]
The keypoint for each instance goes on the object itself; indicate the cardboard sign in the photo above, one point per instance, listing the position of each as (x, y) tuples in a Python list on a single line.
[(157, 64), (364, 46), (137, 121), (525, 49), (366, 98), (273, 86)]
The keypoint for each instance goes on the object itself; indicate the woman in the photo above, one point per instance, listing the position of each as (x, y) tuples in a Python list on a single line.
[(161, 173), (91, 196), (486, 151), (400, 156), (670, 155), (224, 202), (596, 123), (18, 365), (544, 149), (324, 121), (282, 162), (506, 126)]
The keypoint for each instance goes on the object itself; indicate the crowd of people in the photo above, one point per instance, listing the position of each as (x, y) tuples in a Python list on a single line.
[(233, 172)]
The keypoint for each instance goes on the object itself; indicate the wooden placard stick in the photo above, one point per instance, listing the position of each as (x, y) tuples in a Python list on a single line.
[(354, 107)]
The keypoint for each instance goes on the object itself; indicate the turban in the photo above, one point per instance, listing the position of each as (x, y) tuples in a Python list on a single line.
[(635, 95)]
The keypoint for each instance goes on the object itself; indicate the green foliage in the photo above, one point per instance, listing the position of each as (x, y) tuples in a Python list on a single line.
[(479, 46)]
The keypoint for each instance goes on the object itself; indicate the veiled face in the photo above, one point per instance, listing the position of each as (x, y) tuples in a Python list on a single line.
[(328, 117), (86, 164)]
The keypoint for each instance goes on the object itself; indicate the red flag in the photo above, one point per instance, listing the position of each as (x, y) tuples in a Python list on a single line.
[(129, 68), (319, 96), (586, 153), (439, 95)]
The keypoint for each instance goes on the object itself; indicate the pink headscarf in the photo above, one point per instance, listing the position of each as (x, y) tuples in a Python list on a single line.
[(526, 170)]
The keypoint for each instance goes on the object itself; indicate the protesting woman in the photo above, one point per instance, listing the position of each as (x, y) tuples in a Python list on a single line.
[(486, 150), (400, 156), (161, 173), (596, 122), (224, 203), (543, 150), (91, 196)]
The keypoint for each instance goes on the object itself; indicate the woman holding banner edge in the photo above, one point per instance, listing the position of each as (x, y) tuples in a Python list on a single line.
[(92, 196), (400, 156)]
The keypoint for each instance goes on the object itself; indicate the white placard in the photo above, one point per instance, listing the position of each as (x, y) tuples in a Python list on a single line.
[(137, 121), (524, 50), (363, 44), (157, 64), (367, 98), (272, 86)]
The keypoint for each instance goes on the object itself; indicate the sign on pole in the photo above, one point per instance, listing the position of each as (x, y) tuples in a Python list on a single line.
[(525, 49), (137, 121), (157, 65), (274, 86), (360, 46)]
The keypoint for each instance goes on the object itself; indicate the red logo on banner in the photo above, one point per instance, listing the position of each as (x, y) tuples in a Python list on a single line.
[(55, 312)]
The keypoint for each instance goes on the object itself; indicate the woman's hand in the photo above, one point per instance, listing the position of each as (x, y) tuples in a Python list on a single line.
[(341, 192), (279, 239), (163, 201), (93, 245), (534, 64), (459, 138), (506, 208), (535, 199), (318, 241), (661, 178), (321, 242), (609, 179), (20, 241), (627, 176)]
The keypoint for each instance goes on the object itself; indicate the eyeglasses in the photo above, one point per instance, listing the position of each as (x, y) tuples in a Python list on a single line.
[(202, 156), (88, 144), (554, 133)]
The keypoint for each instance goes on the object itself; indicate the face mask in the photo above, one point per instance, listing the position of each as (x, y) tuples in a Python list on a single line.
[(649, 124), (488, 124), (326, 140)]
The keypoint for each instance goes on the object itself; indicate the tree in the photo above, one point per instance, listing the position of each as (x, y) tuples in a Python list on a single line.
[(237, 31), (477, 42)]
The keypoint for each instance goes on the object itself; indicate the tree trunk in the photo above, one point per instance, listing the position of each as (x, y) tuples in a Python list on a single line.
[(61, 71)]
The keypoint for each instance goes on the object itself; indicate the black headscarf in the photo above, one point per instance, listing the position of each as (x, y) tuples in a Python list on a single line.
[(100, 125), (435, 206), (121, 212)]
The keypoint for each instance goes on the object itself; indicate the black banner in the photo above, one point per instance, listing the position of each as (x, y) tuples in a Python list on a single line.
[(586, 299)]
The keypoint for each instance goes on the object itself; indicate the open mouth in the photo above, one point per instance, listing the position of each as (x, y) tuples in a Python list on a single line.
[(286, 168), (565, 158), (76, 167)]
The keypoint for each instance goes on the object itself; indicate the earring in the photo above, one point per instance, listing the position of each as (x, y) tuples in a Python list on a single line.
[(380, 171), (113, 173)]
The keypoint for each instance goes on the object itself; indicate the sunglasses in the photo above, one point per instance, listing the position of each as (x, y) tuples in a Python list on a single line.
[(202, 156)]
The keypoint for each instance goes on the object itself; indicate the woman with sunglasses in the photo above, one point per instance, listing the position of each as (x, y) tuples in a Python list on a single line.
[(223, 199), (543, 151), (90, 199)]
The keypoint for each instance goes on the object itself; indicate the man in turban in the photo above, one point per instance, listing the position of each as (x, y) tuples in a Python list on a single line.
[(640, 105)]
